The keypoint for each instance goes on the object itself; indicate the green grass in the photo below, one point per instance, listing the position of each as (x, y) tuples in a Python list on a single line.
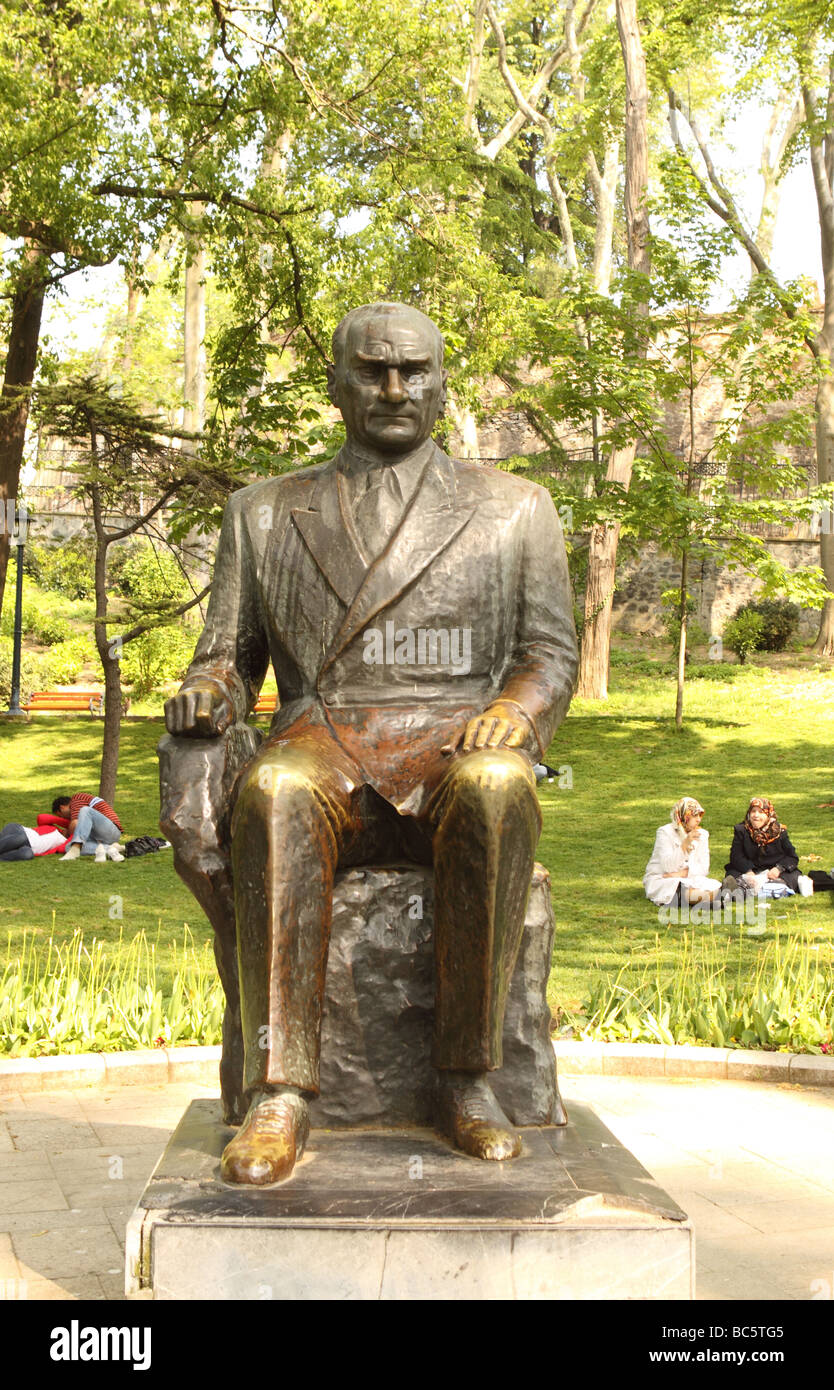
[(765, 729), (55, 754)]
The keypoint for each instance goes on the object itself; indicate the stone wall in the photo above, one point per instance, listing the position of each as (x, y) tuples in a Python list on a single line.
[(717, 591)]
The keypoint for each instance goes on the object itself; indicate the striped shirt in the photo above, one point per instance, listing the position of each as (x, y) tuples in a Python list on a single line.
[(85, 799)]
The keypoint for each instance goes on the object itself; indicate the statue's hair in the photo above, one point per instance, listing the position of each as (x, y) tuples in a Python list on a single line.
[(356, 318)]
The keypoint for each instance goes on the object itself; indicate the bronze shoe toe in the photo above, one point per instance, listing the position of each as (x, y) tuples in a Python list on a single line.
[(474, 1120), (269, 1143)]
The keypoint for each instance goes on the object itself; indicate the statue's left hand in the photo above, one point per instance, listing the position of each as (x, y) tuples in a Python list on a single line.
[(502, 725), (202, 710)]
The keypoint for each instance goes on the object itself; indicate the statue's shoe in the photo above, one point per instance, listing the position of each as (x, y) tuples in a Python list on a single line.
[(269, 1143), (472, 1117)]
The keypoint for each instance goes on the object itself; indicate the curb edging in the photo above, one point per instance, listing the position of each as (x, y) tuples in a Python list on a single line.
[(163, 1066), (74, 1071), (716, 1063)]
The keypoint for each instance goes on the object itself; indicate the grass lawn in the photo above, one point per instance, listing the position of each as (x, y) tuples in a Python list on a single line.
[(55, 754), (763, 729)]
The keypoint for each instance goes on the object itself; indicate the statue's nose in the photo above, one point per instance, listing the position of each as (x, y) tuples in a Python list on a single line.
[(392, 386)]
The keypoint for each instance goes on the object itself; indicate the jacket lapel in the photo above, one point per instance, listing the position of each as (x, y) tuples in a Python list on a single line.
[(430, 523), (329, 535)]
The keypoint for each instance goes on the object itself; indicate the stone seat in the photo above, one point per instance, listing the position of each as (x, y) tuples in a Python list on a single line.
[(379, 1002)]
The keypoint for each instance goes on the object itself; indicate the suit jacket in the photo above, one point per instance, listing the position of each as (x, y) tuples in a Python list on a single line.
[(477, 566)]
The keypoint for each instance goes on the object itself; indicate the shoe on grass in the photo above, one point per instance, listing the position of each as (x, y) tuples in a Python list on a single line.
[(72, 853), (114, 853)]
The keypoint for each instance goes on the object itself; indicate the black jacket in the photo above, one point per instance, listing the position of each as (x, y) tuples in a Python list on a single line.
[(748, 857)]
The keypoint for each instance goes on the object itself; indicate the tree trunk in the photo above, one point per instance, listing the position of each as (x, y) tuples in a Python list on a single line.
[(682, 642), (467, 427), (774, 145), (109, 651), (599, 592), (821, 150), (194, 343), (21, 360), (112, 723), (824, 644), (602, 554)]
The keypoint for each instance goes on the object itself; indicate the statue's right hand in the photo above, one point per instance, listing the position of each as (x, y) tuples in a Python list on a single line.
[(204, 710)]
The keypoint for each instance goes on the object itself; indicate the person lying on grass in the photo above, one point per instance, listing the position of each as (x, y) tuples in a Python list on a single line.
[(93, 827), (678, 871), (761, 853), (25, 842)]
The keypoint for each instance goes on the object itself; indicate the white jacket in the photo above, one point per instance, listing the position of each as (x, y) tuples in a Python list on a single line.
[(668, 857)]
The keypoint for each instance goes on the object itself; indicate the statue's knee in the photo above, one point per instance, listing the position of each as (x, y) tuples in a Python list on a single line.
[(285, 779), (496, 770)]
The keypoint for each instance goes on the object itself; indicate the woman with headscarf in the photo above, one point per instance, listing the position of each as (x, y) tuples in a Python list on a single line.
[(761, 852), (678, 871)]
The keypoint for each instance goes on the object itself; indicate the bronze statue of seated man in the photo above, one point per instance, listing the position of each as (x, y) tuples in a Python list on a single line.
[(418, 616)]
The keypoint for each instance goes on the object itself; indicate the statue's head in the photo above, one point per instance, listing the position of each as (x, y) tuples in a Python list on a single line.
[(387, 377)]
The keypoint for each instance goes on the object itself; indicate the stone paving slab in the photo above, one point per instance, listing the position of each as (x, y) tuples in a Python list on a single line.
[(24, 1167), (35, 1131), (40, 1195), (40, 1222), (88, 1287), (9, 1268), (765, 1156), (751, 1161), (70, 1252)]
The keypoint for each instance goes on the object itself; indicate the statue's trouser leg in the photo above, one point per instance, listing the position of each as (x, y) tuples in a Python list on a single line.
[(196, 781), (292, 818), (486, 821)]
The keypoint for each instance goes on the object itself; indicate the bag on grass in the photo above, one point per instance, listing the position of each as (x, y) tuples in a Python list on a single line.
[(144, 844)]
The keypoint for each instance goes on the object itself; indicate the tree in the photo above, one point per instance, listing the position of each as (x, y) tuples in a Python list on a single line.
[(688, 502), (128, 475), (56, 63), (602, 558), (792, 45)]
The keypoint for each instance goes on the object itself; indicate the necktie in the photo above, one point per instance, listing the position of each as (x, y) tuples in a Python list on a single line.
[(378, 511)]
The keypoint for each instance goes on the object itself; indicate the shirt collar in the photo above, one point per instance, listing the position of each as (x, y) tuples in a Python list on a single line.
[(356, 461)]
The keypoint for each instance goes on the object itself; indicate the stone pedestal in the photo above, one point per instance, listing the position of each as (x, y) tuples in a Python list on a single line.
[(399, 1214), (379, 1006)]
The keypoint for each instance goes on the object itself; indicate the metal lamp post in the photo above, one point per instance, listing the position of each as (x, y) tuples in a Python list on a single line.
[(22, 528)]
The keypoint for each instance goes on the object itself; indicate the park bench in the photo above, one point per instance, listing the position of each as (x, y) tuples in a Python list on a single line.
[(89, 700), (265, 704), (80, 700)]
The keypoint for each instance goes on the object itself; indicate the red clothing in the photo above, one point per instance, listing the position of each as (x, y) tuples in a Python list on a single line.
[(48, 825), (83, 799)]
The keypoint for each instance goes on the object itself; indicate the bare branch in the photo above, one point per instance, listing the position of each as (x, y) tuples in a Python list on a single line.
[(724, 204), (473, 72), (526, 106), (565, 226), (140, 521), (191, 195), (299, 308), (822, 187), (829, 126), (139, 628)]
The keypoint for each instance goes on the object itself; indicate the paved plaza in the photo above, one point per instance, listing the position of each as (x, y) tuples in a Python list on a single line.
[(752, 1163)]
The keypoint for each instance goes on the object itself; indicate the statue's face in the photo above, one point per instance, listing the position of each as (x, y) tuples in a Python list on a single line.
[(389, 386)]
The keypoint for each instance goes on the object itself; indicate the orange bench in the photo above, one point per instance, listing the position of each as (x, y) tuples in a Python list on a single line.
[(265, 704), (88, 700)]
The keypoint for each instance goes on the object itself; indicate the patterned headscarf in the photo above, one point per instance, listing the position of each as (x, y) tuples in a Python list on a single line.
[(771, 830), (681, 810)]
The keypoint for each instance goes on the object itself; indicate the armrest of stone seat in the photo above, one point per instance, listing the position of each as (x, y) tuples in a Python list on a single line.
[(197, 778)]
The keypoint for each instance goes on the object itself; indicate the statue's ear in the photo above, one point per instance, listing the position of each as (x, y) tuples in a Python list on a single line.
[(331, 383)]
